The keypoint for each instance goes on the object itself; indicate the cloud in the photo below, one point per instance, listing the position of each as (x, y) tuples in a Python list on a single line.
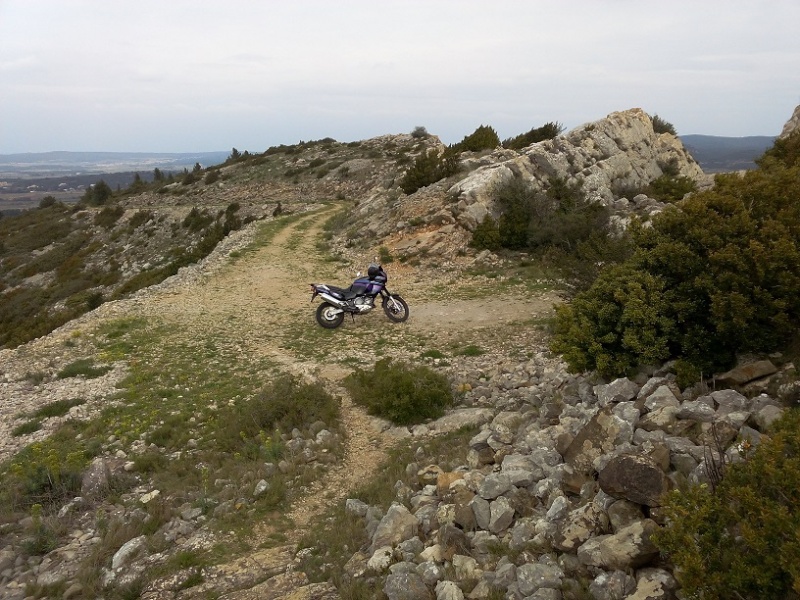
[(150, 75)]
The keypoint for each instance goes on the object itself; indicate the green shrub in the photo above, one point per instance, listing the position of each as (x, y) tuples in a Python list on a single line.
[(546, 132), (785, 152), (197, 219), (108, 216), (42, 536), (740, 540), (57, 408), (560, 218), (84, 367), (47, 202), (385, 256), (140, 217), (716, 276), (189, 178), (615, 325), (399, 392), (419, 132), (429, 167), (470, 350), (283, 405), (563, 217), (486, 235), (98, 194), (662, 126), (40, 475), (26, 428), (670, 188), (483, 138), (515, 199)]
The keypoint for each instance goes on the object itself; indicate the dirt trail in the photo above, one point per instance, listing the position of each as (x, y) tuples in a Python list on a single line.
[(250, 302)]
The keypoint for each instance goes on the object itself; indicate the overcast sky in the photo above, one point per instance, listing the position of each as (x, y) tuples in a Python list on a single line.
[(203, 75)]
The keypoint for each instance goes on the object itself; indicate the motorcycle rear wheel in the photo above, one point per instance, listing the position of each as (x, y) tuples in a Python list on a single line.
[(395, 308), (327, 317)]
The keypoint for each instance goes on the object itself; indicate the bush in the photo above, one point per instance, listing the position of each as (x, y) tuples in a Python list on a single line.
[(197, 219), (385, 256), (515, 199), (486, 235), (419, 132), (483, 138), (98, 194), (670, 188), (717, 277), (83, 367), (47, 202), (429, 167), (785, 152), (615, 325), (546, 132), (740, 540), (401, 393), (563, 217), (108, 216), (662, 126), (140, 217), (283, 405)]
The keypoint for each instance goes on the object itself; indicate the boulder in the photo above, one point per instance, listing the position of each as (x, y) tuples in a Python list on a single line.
[(602, 434), (745, 373), (629, 548), (533, 576), (611, 586), (619, 390), (397, 525), (406, 586), (578, 526), (636, 478)]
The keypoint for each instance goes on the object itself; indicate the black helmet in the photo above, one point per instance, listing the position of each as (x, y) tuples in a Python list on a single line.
[(374, 270)]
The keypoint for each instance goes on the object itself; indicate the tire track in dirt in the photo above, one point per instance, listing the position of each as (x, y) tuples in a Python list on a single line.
[(249, 302)]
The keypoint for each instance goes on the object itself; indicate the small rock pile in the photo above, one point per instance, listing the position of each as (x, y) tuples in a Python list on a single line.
[(562, 486)]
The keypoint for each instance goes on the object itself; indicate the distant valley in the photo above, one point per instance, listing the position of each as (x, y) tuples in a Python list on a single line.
[(26, 178), (722, 154), (37, 164)]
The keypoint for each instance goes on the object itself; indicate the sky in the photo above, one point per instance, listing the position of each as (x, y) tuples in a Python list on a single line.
[(202, 75)]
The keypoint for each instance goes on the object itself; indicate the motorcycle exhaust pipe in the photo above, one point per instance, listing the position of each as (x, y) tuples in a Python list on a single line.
[(335, 301)]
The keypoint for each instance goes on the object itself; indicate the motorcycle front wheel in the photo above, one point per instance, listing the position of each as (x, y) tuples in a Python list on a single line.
[(395, 308), (329, 316)]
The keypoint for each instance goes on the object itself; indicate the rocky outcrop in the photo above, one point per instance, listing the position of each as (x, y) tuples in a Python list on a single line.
[(615, 158), (617, 154), (792, 125), (572, 488)]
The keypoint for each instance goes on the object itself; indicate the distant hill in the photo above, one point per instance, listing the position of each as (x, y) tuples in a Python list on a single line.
[(719, 154), (37, 164)]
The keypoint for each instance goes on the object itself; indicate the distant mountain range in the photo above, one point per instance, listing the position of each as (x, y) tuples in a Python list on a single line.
[(720, 154)]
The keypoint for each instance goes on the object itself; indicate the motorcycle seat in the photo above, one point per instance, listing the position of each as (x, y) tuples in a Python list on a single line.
[(342, 293)]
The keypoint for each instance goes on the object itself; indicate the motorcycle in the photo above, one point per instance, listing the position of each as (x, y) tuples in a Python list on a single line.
[(358, 299)]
